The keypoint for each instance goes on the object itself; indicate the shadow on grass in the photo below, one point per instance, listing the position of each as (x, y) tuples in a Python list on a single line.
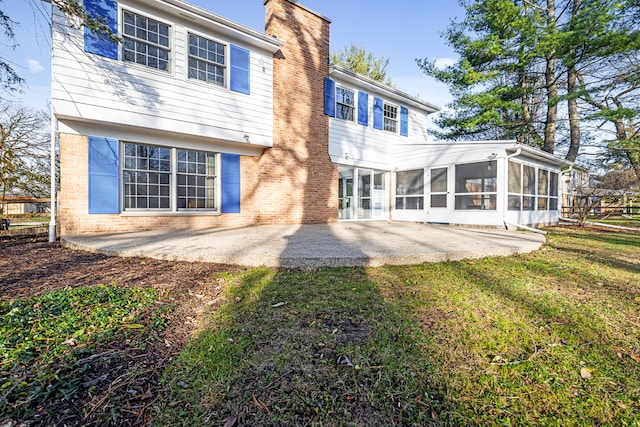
[(298, 348)]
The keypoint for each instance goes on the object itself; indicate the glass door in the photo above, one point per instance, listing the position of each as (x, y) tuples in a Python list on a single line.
[(346, 203), (364, 193)]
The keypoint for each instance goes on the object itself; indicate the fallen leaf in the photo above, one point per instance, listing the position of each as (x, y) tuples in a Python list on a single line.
[(233, 421), (621, 405), (637, 299), (278, 304), (585, 373), (133, 326), (635, 357), (70, 342)]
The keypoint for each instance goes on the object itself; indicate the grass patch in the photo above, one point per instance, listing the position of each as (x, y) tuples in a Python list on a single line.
[(43, 340), (548, 338)]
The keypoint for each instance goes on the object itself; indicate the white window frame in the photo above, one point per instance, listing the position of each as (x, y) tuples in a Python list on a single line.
[(224, 66), (390, 121), (534, 197), (404, 195), (487, 198), (342, 106), (444, 193), (146, 42), (173, 183)]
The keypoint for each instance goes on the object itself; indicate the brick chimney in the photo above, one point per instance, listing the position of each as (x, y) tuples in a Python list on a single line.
[(298, 183)]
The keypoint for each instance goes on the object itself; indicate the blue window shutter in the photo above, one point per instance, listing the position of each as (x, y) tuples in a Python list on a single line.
[(377, 113), (240, 78), (329, 97), (98, 43), (230, 183), (404, 121), (103, 176), (363, 108)]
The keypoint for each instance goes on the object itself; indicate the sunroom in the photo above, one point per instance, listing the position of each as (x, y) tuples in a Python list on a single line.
[(491, 183)]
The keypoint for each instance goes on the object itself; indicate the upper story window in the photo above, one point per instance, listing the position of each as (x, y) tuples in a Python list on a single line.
[(390, 118), (345, 104), (146, 41), (207, 60)]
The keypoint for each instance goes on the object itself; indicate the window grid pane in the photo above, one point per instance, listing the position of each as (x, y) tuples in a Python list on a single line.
[(345, 104), (390, 118), (146, 177), (207, 60), (196, 180), (146, 41)]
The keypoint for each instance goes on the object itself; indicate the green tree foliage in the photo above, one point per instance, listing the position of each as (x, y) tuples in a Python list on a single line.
[(357, 59), (519, 60)]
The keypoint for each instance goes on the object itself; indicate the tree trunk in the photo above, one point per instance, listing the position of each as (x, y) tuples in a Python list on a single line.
[(550, 83), (574, 119)]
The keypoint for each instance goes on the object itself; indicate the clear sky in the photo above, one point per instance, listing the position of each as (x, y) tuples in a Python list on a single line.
[(401, 31)]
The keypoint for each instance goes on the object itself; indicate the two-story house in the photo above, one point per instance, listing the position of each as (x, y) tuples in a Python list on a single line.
[(193, 120)]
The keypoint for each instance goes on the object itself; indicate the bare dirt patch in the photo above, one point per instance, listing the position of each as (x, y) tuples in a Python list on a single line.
[(119, 380)]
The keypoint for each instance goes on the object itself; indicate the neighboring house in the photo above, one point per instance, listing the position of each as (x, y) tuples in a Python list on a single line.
[(23, 205), (194, 120)]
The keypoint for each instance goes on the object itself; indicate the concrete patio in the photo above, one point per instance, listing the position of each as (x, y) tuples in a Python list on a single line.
[(319, 245)]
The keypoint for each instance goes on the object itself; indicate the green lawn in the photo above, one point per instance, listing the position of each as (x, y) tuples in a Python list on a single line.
[(549, 338)]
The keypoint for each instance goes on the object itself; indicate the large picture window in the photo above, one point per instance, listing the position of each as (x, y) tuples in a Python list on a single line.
[(410, 189), (345, 104), (207, 61), (166, 179), (146, 41), (476, 185)]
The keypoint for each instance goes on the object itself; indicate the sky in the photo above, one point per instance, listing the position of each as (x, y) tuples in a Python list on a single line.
[(401, 31)]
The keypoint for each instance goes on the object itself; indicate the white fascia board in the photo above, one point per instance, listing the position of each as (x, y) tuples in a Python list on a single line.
[(527, 151), (509, 147), (370, 85), (221, 24)]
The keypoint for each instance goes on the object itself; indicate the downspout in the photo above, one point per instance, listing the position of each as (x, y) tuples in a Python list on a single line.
[(54, 129), (52, 222)]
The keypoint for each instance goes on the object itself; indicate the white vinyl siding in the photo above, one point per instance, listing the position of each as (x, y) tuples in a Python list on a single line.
[(127, 94)]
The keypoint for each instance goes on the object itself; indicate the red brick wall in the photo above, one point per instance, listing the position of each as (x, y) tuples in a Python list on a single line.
[(74, 192), (298, 181)]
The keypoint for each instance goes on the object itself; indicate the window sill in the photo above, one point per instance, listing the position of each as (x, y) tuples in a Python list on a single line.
[(181, 213)]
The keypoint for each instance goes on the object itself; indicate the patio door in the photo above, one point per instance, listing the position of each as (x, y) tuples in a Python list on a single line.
[(362, 194)]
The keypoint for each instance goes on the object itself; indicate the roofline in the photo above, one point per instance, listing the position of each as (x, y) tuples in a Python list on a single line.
[(539, 153), (240, 31), (510, 145), (377, 86)]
